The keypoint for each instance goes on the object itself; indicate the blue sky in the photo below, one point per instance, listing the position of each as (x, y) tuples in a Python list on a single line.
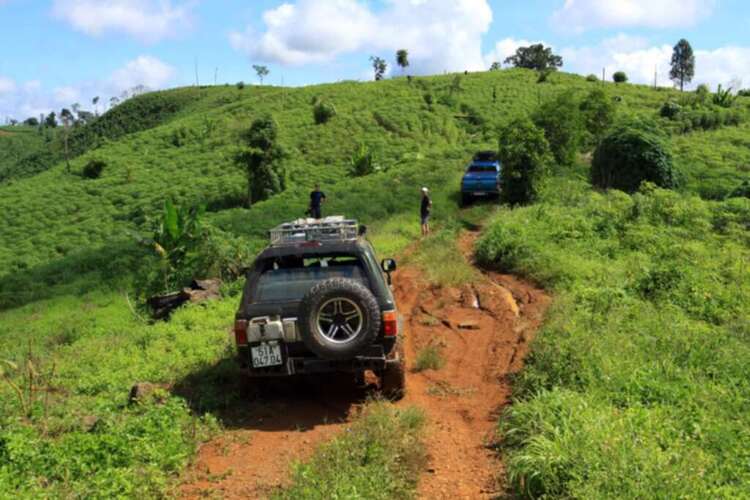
[(57, 52)]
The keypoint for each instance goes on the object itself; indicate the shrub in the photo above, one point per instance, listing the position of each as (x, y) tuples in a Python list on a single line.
[(741, 191), (361, 163), (429, 358), (743, 93), (629, 156), (262, 161), (524, 153), (323, 111), (724, 97), (240, 85), (592, 78), (428, 99), (562, 122), (93, 169), (670, 109), (598, 114), (619, 77)]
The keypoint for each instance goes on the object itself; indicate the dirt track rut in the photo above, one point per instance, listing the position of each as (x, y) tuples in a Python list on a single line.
[(483, 332)]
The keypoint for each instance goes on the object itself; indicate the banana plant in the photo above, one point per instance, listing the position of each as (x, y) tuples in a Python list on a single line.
[(724, 97)]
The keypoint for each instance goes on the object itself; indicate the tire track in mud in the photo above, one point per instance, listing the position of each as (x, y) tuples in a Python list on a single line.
[(483, 331)]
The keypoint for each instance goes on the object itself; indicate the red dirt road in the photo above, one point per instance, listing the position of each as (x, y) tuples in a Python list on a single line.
[(482, 331)]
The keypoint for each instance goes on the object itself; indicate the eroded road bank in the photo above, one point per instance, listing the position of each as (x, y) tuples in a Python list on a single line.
[(482, 331)]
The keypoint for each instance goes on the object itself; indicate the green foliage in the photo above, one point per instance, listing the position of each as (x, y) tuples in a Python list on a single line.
[(496, 66), (524, 154), (619, 77), (592, 78), (641, 364), (379, 67), (362, 162), (429, 358), (683, 63), (402, 58), (94, 169), (670, 110), (724, 97), (563, 125), (629, 156), (380, 457), (536, 57), (323, 112), (240, 85), (742, 191), (598, 115), (262, 161), (261, 72)]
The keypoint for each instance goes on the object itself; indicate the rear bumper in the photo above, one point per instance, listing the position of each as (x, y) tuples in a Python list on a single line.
[(374, 359), (480, 190)]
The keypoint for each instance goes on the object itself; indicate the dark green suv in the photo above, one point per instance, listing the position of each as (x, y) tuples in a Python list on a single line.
[(317, 300)]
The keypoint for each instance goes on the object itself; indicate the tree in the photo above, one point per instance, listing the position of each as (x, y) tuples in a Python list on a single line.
[(630, 155), (51, 120), (683, 64), (31, 122), (262, 161), (379, 66), (496, 66), (562, 122), (598, 114), (524, 154), (261, 71), (537, 57), (95, 102), (67, 119), (619, 77), (402, 59)]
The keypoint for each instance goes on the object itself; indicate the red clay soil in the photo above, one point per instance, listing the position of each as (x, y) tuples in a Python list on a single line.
[(482, 331)]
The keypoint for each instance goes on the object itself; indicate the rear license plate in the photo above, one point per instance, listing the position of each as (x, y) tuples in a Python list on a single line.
[(268, 354)]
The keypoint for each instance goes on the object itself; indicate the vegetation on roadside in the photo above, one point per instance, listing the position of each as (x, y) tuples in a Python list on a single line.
[(429, 358), (379, 457)]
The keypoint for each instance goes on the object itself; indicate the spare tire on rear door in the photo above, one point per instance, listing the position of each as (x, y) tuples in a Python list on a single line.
[(339, 318)]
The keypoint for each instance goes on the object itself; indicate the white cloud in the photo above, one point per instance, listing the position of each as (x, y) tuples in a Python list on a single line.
[(439, 34), (144, 70), (146, 20), (580, 15), (6, 85), (638, 59), (31, 98)]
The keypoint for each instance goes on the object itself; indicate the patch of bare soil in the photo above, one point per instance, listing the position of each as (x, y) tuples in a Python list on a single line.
[(483, 332)]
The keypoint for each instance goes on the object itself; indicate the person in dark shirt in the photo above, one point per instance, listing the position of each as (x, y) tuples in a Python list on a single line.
[(317, 198), (425, 210)]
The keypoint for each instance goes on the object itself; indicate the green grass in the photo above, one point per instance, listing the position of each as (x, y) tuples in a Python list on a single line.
[(642, 363), (429, 358), (379, 457)]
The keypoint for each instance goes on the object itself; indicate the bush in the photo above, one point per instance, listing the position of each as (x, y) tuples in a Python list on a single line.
[(240, 85), (741, 191), (361, 162), (670, 109), (562, 122), (323, 111), (429, 358), (93, 169), (629, 156), (620, 77), (598, 114), (592, 78), (525, 155)]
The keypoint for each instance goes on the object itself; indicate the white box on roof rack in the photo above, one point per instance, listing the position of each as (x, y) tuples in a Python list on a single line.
[(333, 228)]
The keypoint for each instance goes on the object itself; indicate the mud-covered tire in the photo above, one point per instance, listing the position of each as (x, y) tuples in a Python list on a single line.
[(393, 378), (353, 295)]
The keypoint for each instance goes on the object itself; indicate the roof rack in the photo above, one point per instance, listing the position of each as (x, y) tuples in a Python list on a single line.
[(334, 228)]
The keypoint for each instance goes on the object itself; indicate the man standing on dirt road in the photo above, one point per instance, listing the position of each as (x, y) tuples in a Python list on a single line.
[(317, 198), (425, 210)]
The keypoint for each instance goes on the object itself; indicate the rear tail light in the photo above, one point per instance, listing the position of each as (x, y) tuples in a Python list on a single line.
[(240, 331), (390, 323)]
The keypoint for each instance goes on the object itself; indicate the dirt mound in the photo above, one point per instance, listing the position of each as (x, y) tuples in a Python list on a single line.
[(482, 331)]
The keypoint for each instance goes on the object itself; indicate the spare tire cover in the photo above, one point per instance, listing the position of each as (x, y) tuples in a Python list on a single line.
[(339, 318)]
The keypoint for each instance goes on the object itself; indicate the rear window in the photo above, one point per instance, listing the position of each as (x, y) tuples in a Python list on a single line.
[(482, 168), (485, 156), (290, 279)]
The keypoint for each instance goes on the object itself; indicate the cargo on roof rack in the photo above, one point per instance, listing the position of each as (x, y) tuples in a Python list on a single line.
[(334, 228)]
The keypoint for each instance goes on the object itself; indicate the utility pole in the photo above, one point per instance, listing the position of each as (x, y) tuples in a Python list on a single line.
[(197, 83), (603, 74), (655, 76), (216, 73)]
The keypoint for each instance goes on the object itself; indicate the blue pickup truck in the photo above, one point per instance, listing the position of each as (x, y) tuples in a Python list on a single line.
[(482, 178)]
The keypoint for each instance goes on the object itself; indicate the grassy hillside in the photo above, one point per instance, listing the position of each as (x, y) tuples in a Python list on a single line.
[(16, 144), (68, 255)]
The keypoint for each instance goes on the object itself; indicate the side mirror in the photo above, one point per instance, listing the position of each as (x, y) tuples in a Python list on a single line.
[(388, 265)]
